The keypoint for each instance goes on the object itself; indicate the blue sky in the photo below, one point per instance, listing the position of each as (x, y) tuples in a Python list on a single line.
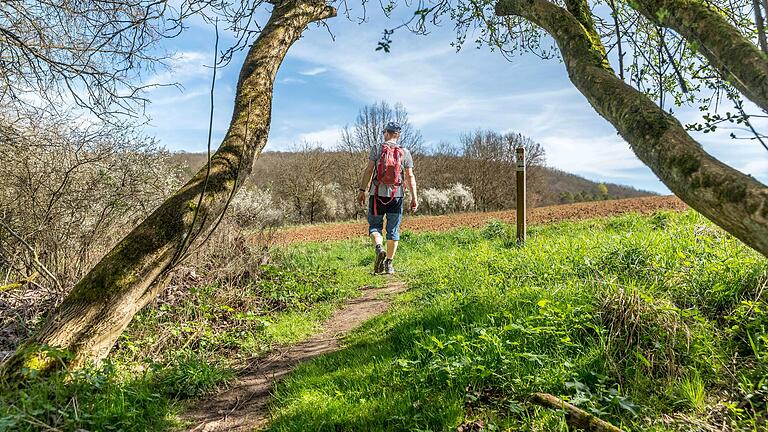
[(324, 81)]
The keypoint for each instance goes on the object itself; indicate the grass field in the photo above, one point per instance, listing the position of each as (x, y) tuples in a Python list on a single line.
[(652, 323)]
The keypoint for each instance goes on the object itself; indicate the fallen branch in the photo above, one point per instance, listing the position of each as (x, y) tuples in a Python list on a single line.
[(575, 417)]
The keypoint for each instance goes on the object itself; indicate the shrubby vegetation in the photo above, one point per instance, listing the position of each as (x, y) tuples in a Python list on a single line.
[(454, 199), (187, 344), (71, 189)]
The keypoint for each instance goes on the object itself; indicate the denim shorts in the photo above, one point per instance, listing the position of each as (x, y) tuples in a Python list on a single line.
[(393, 210)]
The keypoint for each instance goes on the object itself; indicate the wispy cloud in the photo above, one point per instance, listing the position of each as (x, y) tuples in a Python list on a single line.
[(605, 156), (291, 80), (183, 68), (314, 71), (326, 138)]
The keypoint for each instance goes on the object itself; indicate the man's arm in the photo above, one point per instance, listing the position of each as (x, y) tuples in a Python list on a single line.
[(365, 180), (410, 180)]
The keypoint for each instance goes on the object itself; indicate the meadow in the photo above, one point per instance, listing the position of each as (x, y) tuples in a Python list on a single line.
[(652, 323)]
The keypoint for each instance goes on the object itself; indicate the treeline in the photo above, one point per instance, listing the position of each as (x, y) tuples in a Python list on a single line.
[(314, 185), (311, 184)]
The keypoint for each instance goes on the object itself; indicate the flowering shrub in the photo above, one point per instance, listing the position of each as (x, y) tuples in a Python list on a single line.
[(255, 208), (454, 199)]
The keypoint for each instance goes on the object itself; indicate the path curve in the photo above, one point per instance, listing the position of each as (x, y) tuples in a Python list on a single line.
[(243, 405)]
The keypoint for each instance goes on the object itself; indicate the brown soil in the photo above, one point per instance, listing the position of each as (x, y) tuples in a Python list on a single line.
[(538, 215), (242, 406)]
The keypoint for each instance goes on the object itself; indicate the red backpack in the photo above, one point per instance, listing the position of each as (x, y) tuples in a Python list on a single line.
[(388, 172)]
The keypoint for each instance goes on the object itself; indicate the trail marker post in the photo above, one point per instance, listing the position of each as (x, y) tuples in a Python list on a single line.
[(521, 222)]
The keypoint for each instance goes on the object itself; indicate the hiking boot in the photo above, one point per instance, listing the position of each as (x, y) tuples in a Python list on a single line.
[(378, 262), (388, 267)]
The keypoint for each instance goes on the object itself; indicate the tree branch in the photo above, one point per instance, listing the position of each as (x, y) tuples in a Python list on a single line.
[(736, 202)]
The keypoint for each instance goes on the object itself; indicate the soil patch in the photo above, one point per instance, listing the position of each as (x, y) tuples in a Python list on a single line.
[(538, 215), (243, 406)]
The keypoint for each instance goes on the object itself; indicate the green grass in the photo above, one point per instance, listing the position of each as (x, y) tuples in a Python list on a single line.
[(184, 349), (629, 318)]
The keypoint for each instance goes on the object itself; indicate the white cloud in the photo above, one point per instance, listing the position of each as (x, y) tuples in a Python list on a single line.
[(314, 71), (291, 80), (326, 138), (182, 96), (605, 156), (183, 67), (759, 167)]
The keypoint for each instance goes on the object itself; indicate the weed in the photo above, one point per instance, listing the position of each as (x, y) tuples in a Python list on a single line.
[(494, 229), (691, 392), (192, 375)]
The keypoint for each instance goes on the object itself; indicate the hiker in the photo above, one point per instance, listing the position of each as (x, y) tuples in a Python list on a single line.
[(390, 167)]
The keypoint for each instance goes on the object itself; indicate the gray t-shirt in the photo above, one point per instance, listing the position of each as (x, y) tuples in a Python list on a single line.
[(406, 162)]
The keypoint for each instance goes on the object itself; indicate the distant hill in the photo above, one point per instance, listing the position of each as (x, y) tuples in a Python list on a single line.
[(564, 188)]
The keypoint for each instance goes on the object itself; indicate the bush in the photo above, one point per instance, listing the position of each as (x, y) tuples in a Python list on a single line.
[(69, 190), (255, 209), (457, 198), (643, 332)]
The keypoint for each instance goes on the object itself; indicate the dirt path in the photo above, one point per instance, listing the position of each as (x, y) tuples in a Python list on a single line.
[(243, 406), (537, 215)]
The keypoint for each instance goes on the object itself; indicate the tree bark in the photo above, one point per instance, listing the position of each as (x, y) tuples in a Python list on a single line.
[(103, 303), (760, 24), (735, 57), (736, 202)]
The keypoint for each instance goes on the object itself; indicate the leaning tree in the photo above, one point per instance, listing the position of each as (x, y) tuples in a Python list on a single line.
[(667, 53), (100, 306), (733, 200)]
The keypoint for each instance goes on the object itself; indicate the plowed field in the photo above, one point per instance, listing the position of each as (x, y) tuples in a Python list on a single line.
[(538, 215)]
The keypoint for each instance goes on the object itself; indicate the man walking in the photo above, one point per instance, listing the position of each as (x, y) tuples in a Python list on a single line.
[(390, 167)]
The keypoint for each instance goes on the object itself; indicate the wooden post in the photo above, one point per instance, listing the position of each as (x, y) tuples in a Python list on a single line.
[(521, 223)]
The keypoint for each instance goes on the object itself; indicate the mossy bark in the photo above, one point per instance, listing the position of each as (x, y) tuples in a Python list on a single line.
[(102, 304), (736, 202), (735, 57)]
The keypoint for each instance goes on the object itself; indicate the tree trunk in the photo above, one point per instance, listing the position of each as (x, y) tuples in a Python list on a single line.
[(736, 202), (735, 57), (103, 303)]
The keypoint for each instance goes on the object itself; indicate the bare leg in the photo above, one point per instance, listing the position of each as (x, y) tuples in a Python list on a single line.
[(376, 237), (391, 248)]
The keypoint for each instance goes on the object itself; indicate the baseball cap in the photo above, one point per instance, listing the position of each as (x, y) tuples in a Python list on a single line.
[(392, 127)]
